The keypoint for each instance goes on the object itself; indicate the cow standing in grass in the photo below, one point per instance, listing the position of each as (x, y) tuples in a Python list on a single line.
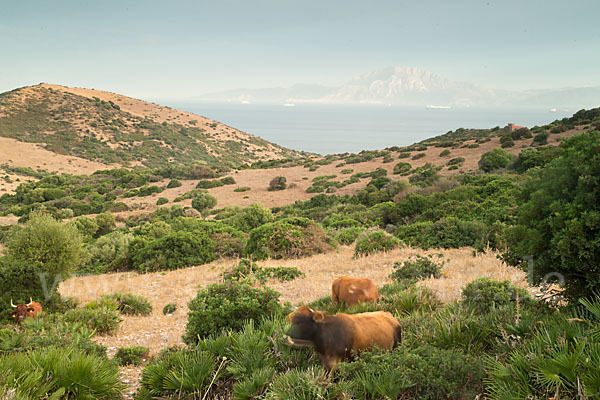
[(336, 337), (353, 291), (29, 310)]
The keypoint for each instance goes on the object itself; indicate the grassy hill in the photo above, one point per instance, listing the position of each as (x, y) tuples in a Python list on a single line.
[(115, 129)]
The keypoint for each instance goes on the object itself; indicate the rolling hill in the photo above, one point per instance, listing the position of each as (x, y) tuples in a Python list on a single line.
[(108, 128)]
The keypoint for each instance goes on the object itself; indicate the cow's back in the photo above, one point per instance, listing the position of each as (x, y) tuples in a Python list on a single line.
[(373, 329), (353, 290)]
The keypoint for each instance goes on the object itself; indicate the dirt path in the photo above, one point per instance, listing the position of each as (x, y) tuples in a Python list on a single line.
[(158, 331)]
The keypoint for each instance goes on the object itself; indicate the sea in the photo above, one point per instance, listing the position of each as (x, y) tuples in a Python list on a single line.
[(332, 129)]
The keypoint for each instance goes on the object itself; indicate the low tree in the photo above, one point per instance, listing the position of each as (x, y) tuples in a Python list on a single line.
[(203, 201), (494, 159), (278, 183), (559, 223)]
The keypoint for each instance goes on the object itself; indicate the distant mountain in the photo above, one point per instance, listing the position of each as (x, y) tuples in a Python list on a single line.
[(413, 86), (300, 92)]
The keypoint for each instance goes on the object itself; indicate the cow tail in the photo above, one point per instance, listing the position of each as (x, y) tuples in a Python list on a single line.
[(397, 336)]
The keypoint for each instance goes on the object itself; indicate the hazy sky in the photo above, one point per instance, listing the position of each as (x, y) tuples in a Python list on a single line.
[(175, 49)]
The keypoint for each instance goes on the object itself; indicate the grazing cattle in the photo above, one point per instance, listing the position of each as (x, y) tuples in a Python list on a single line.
[(353, 291), (334, 337), (30, 310)]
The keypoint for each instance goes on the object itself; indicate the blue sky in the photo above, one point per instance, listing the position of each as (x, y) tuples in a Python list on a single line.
[(177, 49)]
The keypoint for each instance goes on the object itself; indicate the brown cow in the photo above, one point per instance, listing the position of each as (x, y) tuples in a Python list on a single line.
[(353, 291), (334, 337), (30, 310)]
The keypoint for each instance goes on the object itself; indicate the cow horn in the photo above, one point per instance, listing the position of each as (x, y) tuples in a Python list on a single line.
[(30, 301), (11, 303)]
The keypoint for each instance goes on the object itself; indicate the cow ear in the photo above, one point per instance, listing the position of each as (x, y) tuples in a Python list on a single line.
[(318, 316)]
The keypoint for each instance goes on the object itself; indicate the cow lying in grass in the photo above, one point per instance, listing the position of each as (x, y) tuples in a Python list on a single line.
[(335, 337), (353, 291)]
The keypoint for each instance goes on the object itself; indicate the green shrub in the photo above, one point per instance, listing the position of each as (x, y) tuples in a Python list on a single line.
[(247, 270), (104, 320), (348, 235), (541, 138), (424, 373), (130, 304), (418, 156), (169, 308), (106, 223), (485, 294), (177, 250), (373, 241), (299, 385), (174, 183), (424, 176), (132, 355), (161, 201), (242, 189), (456, 161), (203, 201), (287, 238), (105, 250), (445, 153), (346, 171), (225, 306), (417, 269), (494, 159), (557, 223), (179, 374), (250, 217), (277, 183), (447, 233), (58, 372), (46, 241), (402, 168)]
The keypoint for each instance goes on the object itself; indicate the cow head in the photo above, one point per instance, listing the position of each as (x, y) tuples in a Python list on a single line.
[(22, 311), (305, 325)]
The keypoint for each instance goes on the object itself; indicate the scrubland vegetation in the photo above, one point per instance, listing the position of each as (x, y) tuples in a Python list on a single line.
[(496, 342)]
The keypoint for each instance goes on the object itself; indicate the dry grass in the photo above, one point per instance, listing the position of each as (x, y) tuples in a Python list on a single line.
[(157, 331)]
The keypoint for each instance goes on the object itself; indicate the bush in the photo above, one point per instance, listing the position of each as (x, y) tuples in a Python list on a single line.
[(250, 217), (178, 374), (424, 373), (541, 138), (130, 304), (133, 355), (447, 233), (106, 223), (558, 222), (173, 183), (177, 250), (104, 320), (169, 308), (445, 153), (287, 238), (247, 270), (106, 250), (373, 241), (485, 294), (417, 269), (418, 156), (203, 201), (277, 183), (348, 235), (58, 372), (456, 161), (48, 242), (161, 201), (225, 306), (242, 189), (494, 159)]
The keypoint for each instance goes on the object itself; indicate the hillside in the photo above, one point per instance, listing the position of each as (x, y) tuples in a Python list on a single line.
[(111, 129)]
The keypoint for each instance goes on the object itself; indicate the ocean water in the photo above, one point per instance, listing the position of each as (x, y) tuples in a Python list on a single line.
[(329, 129)]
